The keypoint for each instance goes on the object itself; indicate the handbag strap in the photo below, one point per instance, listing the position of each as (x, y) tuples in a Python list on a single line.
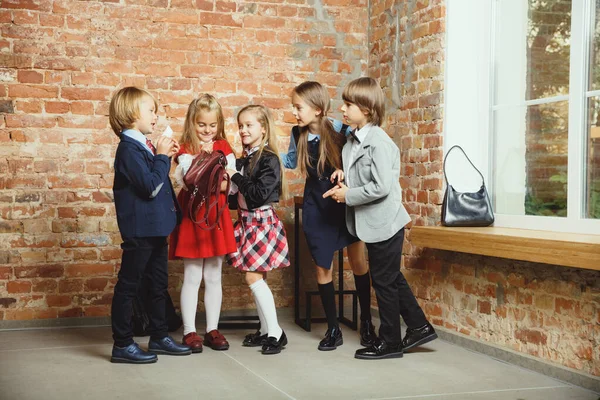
[(468, 159)]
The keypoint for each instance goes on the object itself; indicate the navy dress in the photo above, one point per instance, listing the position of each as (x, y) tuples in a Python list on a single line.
[(323, 220)]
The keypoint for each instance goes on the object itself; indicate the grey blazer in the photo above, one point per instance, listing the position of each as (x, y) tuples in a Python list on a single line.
[(374, 211)]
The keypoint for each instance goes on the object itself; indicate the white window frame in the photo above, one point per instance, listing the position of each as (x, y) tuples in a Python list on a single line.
[(469, 85)]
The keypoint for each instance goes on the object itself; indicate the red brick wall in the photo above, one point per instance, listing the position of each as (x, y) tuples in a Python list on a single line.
[(59, 63), (550, 312)]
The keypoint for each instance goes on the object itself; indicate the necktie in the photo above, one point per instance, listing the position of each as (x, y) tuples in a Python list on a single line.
[(151, 146), (354, 137)]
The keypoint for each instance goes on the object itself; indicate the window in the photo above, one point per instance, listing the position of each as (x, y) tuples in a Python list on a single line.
[(529, 88)]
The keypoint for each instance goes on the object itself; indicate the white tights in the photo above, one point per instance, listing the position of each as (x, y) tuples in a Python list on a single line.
[(194, 270)]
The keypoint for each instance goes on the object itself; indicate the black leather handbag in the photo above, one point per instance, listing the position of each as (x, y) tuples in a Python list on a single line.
[(466, 209)]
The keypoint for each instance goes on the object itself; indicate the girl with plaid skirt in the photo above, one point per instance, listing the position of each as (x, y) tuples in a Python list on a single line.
[(259, 234)]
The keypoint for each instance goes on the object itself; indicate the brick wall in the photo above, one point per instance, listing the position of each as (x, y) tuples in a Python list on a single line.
[(61, 60), (59, 63), (550, 312)]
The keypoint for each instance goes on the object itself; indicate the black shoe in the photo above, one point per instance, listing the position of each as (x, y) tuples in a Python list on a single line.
[(132, 354), (254, 339), (367, 333), (168, 347), (417, 336), (274, 346), (379, 350), (333, 339)]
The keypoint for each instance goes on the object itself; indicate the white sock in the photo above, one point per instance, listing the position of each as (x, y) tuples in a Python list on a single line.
[(266, 302), (192, 277), (213, 291), (264, 328)]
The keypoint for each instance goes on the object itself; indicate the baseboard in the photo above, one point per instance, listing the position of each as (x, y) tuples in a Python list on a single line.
[(55, 323), (286, 313), (509, 356)]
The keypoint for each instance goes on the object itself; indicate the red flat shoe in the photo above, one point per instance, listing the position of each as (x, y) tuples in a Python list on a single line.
[(194, 341), (215, 340)]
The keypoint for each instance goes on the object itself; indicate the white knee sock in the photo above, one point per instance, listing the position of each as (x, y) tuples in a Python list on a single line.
[(192, 277), (265, 301), (264, 327), (213, 291)]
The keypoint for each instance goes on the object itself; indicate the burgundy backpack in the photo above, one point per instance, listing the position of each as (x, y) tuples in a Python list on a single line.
[(203, 180)]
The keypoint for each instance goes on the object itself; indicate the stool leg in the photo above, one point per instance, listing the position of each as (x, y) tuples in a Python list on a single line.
[(308, 321), (341, 283)]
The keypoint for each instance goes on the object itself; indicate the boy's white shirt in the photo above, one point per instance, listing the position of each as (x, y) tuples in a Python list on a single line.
[(361, 134)]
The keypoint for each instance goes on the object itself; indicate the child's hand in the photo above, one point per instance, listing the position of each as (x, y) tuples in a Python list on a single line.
[(176, 147), (164, 145), (338, 175), (207, 147), (223, 185), (337, 193)]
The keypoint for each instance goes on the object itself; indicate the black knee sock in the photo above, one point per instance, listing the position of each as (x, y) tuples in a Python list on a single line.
[(363, 289), (327, 292)]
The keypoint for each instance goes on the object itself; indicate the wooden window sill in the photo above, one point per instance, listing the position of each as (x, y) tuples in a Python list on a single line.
[(567, 249)]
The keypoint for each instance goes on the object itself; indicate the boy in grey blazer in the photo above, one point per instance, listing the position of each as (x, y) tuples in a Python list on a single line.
[(375, 214)]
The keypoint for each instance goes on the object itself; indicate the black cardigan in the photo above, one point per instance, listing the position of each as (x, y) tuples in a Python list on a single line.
[(260, 186)]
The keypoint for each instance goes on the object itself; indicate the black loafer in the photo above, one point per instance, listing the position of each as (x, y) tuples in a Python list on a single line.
[(254, 339), (380, 350), (168, 347), (367, 333), (274, 346), (418, 336), (333, 339), (132, 354)]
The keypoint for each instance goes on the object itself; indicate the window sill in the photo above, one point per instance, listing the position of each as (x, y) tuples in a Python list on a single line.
[(566, 249)]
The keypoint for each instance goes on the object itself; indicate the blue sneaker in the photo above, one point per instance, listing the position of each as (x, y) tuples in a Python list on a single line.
[(169, 347), (132, 354)]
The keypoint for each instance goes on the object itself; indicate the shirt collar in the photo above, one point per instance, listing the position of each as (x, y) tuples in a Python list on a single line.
[(253, 150), (361, 134), (137, 136)]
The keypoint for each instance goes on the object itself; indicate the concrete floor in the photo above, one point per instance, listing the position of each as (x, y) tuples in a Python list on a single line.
[(73, 363)]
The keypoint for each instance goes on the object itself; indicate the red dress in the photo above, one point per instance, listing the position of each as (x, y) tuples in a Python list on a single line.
[(188, 240)]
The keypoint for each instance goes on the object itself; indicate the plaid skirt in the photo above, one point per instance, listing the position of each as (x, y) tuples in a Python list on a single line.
[(261, 242)]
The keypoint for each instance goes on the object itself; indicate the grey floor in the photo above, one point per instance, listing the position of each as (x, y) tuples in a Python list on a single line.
[(73, 363)]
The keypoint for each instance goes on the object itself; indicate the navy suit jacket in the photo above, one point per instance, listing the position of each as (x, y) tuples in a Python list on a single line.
[(138, 174)]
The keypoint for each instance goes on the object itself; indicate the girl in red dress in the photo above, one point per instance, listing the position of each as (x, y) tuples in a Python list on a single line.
[(202, 251)]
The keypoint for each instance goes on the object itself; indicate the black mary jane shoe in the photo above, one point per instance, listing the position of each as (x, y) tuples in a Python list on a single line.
[(254, 339), (274, 346), (418, 336), (333, 339), (380, 350), (367, 333)]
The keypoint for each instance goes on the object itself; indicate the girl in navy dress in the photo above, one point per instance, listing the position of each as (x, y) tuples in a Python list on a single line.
[(259, 234), (315, 146)]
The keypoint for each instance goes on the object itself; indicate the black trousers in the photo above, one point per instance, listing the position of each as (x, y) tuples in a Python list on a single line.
[(394, 296), (143, 258)]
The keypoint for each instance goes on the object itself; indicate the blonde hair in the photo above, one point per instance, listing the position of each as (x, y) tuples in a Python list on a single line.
[(124, 108), (317, 97), (208, 103), (268, 142), (367, 95)]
